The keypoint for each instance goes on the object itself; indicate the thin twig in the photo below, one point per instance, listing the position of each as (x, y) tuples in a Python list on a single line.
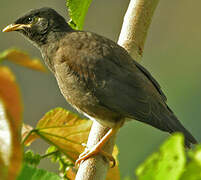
[(49, 154)]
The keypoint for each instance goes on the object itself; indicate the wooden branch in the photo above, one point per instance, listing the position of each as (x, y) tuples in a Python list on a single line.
[(135, 26), (96, 167), (132, 37)]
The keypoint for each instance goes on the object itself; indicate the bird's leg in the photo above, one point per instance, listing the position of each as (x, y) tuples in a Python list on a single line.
[(97, 148)]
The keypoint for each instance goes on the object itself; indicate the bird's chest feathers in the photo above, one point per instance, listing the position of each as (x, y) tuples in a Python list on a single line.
[(48, 54), (74, 88)]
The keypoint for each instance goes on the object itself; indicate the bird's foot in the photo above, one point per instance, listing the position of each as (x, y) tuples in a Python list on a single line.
[(98, 148), (93, 151)]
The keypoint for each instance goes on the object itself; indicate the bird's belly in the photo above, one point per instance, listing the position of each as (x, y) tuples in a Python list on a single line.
[(82, 99)]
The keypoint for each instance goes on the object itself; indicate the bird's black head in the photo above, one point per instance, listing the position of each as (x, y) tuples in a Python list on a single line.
[(39, 25)]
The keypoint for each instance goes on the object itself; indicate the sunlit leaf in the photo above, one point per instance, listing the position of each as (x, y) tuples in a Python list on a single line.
[(10, 94), (32, 173), (113, 173), (28, 135), (115, 154), (11, 121), (193, 168), (77, 10), (71, 173), (64, 130), (127, 178), (167, 164), (10, 147), (23, 59)]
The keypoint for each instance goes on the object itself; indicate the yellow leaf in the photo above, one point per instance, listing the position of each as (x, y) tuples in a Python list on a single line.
[(71, 173), (28, 135), (67, 132), (10, 94), (11, 116), (10, 147), (115, 154), (21, 58), (64, 130), (113, 173)]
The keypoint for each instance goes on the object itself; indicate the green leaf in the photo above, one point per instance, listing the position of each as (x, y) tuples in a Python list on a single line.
[(51, 149), (32, 173), (55, 154), (166, 164), (77, 11), (193, 168), (31, 158), (127, 178)]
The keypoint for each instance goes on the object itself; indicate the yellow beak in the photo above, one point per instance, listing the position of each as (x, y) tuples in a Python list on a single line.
[(14, 27)]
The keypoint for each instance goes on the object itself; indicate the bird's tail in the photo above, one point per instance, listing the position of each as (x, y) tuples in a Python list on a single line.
[(172, 125)]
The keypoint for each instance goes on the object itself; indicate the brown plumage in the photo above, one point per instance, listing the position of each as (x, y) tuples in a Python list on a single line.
[(97, 76)]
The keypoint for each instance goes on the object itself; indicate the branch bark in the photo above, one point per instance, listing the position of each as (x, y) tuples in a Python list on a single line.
[(132, 37), (135, 26)]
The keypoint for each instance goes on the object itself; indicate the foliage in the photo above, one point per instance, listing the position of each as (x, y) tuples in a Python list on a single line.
[(66, 132), (171, 162), (22, 58), (11, 109), (77, 10), (10, 148), (36, 174)]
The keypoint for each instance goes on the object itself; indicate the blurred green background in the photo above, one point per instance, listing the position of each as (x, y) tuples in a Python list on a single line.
[(172, 54)]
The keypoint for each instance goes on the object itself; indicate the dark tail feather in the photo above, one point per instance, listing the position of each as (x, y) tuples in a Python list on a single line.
[(173, 125), (165, 120)]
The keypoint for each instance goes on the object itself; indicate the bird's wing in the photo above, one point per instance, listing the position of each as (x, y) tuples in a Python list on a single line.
[(151, 78), (116, 82), (115, 79), (126, 90)]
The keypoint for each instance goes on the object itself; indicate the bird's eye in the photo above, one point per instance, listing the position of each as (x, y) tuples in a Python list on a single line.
[(30, 19)]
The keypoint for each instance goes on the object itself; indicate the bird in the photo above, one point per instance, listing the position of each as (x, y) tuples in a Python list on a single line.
[(98, 77)]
